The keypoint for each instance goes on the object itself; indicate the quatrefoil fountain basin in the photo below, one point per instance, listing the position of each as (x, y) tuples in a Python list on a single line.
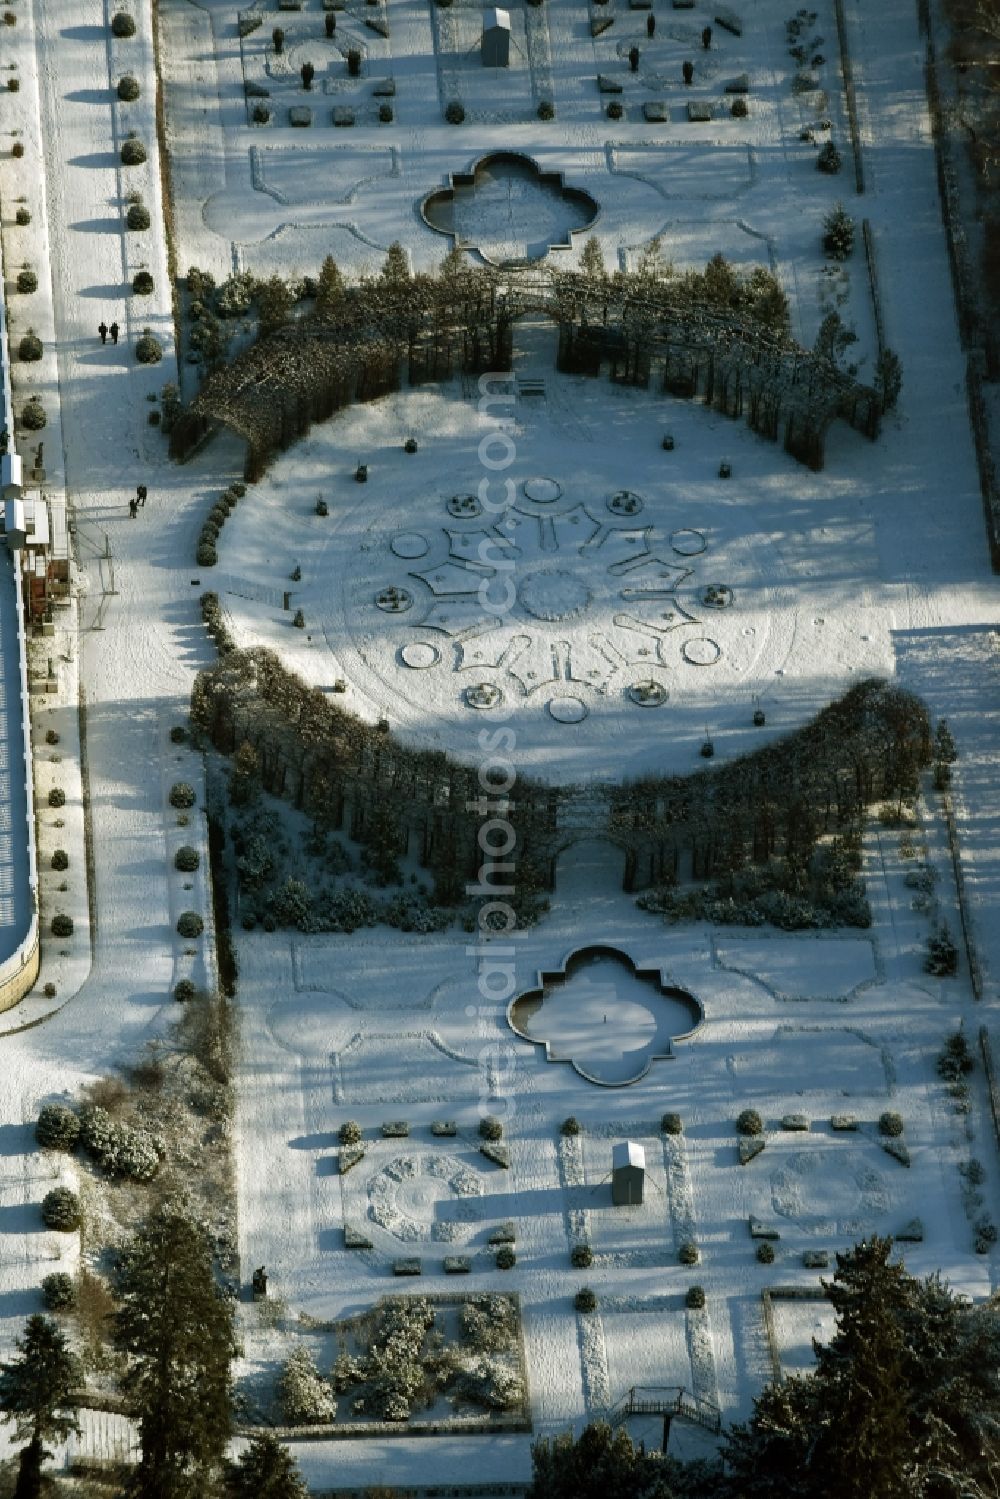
[(609, 1017), (509, 209)]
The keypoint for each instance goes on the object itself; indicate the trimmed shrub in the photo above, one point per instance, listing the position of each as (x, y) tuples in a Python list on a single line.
[(182, 795), (22, 216), (57, 797), (30, 348), (739, 108), (585, 1300), (455, 112), (322, 508), (57, 1127), (838, 233), (190, 924), (261, 114), (955, 1060), (148, 350), (546, 110), (62, 925), (694, 1299), (750, 1123), (51, 736), (128, 88), (890, 1124), (118, 1148), (187, 859), (206, 555), (410, 445), (184, 991), (142, 284), (299, 620), (350, 1132), (13, 84), (61, 1210), (49, 990), (765, 1253), (60, 859), (672, 1124), (385, 115), (506, 1258), (688, 1253), (829, 159), (137, 217), (306, 1398), (614, 110), (27, 280), (581, 1256), (490, 1128), (354, 63), (570, 1126), (59, 1292), (942, 953), (17, 149), (133, 152), (122, 24)]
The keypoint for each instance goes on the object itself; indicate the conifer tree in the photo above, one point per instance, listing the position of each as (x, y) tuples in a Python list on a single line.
[(176, 1328), (330, 290), (38, 1393), (266, 1470)]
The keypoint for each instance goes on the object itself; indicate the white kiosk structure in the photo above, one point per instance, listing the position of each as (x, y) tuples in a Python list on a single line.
[(496, 37), (628, 1174)]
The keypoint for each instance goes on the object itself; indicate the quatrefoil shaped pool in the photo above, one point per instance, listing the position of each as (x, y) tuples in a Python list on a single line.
[(607, 1016)]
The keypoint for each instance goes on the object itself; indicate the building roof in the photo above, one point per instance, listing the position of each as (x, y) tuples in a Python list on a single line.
[(628, 1153)]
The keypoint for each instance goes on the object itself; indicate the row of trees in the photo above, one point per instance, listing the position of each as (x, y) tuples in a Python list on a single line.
[(175, 1328), (904, 1404), (721, 334)]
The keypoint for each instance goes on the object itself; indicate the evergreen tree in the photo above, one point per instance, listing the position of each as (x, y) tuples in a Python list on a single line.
[(330, 290), (592, 259), (274, 303), (177, 1330), (838, 233), (266, 1470), (945, 749), (604, 1464), (38, 1392), (396, 269)]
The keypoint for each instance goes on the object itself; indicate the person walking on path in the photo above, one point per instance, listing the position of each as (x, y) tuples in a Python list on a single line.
[(140, 493), (133, 506), (102, 329), (113, 330)]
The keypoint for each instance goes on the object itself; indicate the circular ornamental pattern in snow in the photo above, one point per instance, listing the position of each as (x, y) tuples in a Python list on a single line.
[(702, 651), (464, 506), (568, 709), (425, 1197), (553, 595), (542, 491), (418, 655), (410, 544), (829, 1191), (688, 543), (625, 502)]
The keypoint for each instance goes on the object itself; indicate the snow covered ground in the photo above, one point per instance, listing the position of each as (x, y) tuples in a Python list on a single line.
[(876, 564)]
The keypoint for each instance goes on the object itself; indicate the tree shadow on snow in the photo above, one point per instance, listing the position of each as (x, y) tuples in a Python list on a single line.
[(97, 226), (103, 159), (89, 96)]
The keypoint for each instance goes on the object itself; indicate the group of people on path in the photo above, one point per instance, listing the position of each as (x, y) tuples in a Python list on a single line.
[(140, 499), (104, 330)]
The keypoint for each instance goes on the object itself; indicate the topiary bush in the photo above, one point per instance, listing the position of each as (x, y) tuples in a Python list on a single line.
[(614, 109), (57, 1127), (739, 108), (546, 110), (128, 88), (941, 958), (184, 991), (688, 1253), (57, 797), (61, 1210), (672, 1124), (750, 1123), (570, 1126), (33, 417), (455, 112), (17, 149), (148, 350), (187, 859), (22, 216), (955, 1060), (506, 1258), (137, 217), (27, 280), (60, 859), (890, 1124), (694, 1299), (206, 555), (829, 159), (122, 24), (490, 1128), (581, 1256), (306, 1398), (62, 925), (142, 283), (133, 152), (182, 794), (349, 1132), (765, 1253), (585, 1300), (59, 1292), (385, 115), (30, 348), (190, 924)]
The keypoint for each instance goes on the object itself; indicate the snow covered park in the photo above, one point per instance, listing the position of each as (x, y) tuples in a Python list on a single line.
[(678, 591)]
